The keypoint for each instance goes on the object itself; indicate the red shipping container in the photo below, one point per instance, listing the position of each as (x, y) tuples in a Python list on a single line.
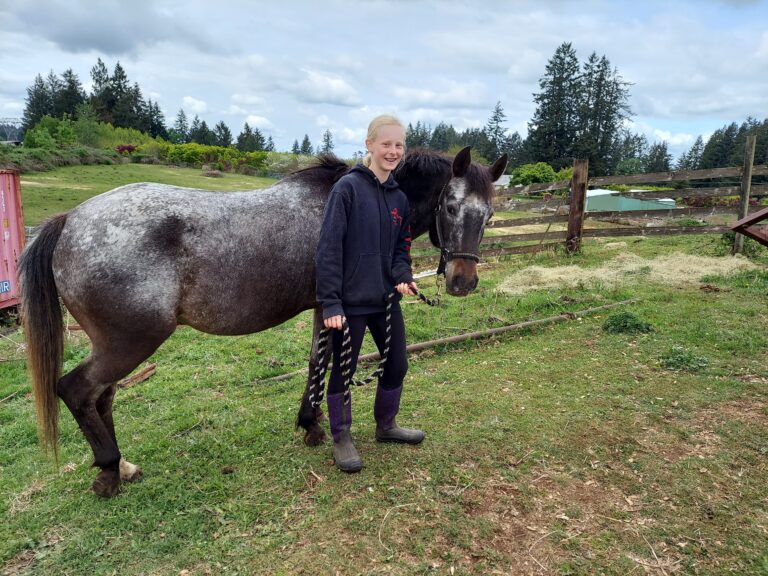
[(11, 236)]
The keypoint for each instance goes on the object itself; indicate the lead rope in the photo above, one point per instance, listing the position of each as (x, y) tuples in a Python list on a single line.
[(317, 385)]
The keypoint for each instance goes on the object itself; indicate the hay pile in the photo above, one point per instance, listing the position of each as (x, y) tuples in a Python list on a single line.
[(672, 270)]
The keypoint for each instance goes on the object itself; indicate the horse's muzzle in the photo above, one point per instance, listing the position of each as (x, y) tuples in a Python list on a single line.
[(460, 277)]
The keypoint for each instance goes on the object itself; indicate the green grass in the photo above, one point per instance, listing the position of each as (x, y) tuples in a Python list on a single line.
[(47, 193), (564, 447)]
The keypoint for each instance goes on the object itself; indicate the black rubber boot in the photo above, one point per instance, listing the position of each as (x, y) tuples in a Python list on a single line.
[(340, 417), (385, 409)]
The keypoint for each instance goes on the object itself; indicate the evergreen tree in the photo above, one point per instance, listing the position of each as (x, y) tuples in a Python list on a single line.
[(691, 159), (719, 148), (306, 146), (602, 110), (157, 121), (102, 99), (38, 103), (70, 96), (658, 158), (481, 146), (443, 137), (327, 145), (295, 148), (553, 130), (223, 134), (417, 136), (250, 139), (270, 145), (179, 133), (497, 133), (55, 86)]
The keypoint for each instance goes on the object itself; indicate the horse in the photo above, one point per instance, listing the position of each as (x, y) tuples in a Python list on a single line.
[(133, 263)]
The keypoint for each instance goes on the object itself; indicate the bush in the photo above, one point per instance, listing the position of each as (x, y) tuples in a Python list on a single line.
[(679, 358), (530, 173), (625, 323)]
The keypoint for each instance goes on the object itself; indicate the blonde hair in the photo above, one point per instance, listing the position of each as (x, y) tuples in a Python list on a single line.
[(373, 128)]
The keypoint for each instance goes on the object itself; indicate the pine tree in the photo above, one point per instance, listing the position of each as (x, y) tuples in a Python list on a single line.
[(223, 134), (658, 158), (418, 136), (443, 137), (54, 85), (38, 103), (306, 146), (719, 148), (179, 133), (295, 148), (691, 159), (157, 126), (553, 130), (497, 133), (71, 94), (270, 145), (250, 139), (102, 99), (327, 146)]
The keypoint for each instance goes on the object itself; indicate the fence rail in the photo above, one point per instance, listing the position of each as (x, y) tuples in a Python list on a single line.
[(577, 214)]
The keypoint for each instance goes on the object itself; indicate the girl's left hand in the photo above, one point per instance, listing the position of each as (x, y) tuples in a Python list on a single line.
[(406, 288)]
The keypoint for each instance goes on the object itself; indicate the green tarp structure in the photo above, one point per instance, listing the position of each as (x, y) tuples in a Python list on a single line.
[(600, 200)]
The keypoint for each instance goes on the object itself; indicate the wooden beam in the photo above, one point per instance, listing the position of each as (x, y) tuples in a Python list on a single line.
[(577, 204), (746, 184)]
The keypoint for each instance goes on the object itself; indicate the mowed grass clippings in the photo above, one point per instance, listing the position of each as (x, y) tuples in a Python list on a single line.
[(562, 449)]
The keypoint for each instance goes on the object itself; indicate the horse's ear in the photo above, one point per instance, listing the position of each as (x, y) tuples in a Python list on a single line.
[(498, 168), (461, 162)]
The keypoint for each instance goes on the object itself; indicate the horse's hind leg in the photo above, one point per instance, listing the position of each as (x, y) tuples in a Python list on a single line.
[(88, 391), (128, 472), (308, 416)]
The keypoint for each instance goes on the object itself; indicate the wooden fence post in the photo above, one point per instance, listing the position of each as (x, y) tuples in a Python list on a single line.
[(746, 185), (577, 205)]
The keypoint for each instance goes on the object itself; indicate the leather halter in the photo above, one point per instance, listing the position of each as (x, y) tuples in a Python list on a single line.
[(445, 254)]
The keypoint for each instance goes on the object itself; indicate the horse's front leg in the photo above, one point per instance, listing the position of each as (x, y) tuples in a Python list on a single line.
[(308, 415)]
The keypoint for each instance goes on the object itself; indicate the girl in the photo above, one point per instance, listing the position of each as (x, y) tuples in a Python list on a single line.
[(362, 257)]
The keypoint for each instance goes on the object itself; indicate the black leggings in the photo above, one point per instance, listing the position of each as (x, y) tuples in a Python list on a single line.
[(397, 362)]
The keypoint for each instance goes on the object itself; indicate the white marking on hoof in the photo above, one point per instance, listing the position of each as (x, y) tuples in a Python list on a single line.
[(129, 472)]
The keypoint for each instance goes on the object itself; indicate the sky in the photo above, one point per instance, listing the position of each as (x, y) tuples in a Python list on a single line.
[(300, 67)]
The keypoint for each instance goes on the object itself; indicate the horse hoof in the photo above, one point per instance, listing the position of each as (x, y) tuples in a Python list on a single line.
[(315, 436), (129, 472), (107, 484)]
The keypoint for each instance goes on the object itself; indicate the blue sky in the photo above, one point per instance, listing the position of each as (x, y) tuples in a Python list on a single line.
[(297, 67)]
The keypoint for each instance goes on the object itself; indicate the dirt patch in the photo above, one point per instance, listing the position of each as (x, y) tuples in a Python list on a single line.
[(552, 519), (23, 562), (674, 270)]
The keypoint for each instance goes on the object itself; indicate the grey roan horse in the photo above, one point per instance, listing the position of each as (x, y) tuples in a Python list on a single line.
[(133, 263)]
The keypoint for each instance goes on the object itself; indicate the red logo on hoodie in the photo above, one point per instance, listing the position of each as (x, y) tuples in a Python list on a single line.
[(397, 220)]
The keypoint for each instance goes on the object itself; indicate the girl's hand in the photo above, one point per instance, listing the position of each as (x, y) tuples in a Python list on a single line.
[(406, 288), (335, 322)]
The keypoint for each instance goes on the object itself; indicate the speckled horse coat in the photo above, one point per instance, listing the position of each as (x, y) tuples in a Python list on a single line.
[(133, 263)]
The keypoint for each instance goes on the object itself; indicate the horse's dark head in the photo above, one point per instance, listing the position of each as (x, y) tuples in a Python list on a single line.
[(464, 208)]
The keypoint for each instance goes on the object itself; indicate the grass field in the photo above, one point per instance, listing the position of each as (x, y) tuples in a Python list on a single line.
[(47, 193), (565, 449)]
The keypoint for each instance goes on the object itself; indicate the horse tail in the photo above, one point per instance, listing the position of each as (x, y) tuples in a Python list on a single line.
[(43, 327)]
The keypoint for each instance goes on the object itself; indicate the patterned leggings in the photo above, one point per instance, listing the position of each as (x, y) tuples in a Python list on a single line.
[(397, 362)]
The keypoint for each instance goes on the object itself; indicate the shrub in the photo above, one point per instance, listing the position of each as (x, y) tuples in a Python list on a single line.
[(530, 173), (679, 358), (625, 323)]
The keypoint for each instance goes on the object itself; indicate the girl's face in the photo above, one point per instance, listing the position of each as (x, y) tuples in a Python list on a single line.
[(386, 149)]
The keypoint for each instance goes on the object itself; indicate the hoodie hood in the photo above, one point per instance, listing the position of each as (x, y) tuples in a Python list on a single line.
[(388, 186)]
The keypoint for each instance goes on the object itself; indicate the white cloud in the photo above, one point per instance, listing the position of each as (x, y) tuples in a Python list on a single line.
[(235, 110), (194, 105), (450, 95), (259, 122), (316, 87)]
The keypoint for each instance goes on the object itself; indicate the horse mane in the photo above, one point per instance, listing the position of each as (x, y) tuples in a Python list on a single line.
[(428, 164), (323, 174)]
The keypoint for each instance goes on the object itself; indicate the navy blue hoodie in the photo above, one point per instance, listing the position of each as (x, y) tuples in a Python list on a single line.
[(364, 247)]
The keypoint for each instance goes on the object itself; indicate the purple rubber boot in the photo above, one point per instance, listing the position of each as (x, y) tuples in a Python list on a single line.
[(385, 409), (340, 417)]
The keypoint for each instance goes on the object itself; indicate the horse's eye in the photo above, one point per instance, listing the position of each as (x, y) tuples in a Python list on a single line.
[(452, 209)]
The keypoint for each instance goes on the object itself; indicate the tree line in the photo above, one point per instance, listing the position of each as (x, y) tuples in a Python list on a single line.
[(582, 109)]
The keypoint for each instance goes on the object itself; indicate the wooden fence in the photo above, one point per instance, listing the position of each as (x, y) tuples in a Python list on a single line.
[(558, 208)]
